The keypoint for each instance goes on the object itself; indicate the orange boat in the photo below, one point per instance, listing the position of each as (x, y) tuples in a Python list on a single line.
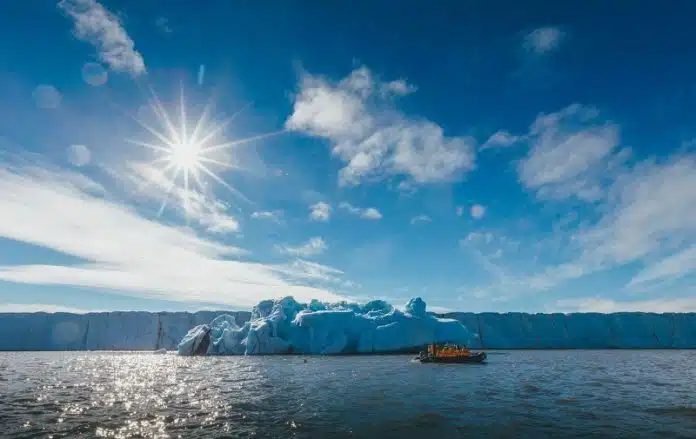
[(450, 353)]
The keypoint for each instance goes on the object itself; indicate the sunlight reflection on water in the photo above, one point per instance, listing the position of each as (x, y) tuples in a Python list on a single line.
[(520, 394)]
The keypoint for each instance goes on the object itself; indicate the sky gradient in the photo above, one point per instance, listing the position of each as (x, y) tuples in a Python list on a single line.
[(157, 156)]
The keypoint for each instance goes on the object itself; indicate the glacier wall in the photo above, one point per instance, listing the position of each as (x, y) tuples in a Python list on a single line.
[(127, 330), (151, 331), (626, 330)]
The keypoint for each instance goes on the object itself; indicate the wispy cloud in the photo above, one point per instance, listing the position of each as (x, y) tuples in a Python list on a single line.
[(122, 250), (274, 216), (571, 154), (418, 219), (39, 307), (398, 87), (302, 269), (500, 139), (604, 305), (369, 213), (314, 247), (373, 138), (645, 218), (543, 40), (99, 27), (674, 266), (320, 211), (650, 217), (148, 182)]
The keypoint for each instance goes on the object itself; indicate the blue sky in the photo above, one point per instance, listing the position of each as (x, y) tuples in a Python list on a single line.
[(484, 157)]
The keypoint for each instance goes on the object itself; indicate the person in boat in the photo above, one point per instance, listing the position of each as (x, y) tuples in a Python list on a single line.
[(447, 351)]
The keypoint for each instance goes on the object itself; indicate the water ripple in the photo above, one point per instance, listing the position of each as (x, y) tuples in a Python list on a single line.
[(521, 394)]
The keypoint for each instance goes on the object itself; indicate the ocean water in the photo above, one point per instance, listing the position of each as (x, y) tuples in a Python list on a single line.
[(534, 394)]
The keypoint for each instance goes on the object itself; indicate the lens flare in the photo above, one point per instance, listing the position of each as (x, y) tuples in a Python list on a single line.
[(191, 156)]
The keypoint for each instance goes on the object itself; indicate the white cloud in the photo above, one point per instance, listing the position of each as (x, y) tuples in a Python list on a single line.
[(603, 305), (301, 269), (123, 251), (460, 210), (420, 219), (39, 307), (320, 211), (672, 267), (543, 40), (501, 139), (275, 215), (99, 27), (648, 219), (151, 183), (315, 246), (398, 87), (372, 138), (369, 213), (570, 155), (639, 215), (652, 216), (477, 211)]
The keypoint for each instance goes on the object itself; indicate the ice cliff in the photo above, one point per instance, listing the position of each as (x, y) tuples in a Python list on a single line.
[(164, 330), (100, 331), (285, 326)]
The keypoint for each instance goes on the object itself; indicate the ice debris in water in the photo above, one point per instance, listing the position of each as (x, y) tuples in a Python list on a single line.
[(286, 326)]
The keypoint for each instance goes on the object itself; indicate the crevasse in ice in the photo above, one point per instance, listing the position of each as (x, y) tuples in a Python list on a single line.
[(286, 326)]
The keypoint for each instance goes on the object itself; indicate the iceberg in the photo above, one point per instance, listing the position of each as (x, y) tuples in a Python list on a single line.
[(285, 326)]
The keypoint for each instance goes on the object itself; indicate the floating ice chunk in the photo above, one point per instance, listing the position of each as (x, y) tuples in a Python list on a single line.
[(286, 326)]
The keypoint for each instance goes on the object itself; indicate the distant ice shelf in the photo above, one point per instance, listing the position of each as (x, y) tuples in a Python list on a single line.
[(164, 330)]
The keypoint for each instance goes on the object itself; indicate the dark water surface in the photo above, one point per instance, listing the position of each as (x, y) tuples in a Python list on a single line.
[(532, 394)]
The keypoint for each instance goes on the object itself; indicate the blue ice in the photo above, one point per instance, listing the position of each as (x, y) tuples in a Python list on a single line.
[(286, 326)]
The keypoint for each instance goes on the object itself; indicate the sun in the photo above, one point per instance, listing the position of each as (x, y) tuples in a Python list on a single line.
[(185, 155), (189, 156)]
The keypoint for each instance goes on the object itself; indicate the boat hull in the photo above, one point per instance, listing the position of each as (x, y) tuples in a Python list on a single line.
[(476, 358)]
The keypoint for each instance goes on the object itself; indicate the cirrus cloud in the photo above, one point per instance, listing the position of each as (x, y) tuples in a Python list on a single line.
[(119, 250)]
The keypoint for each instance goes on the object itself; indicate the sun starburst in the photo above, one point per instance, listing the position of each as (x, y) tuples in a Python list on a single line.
[(187, 157)]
